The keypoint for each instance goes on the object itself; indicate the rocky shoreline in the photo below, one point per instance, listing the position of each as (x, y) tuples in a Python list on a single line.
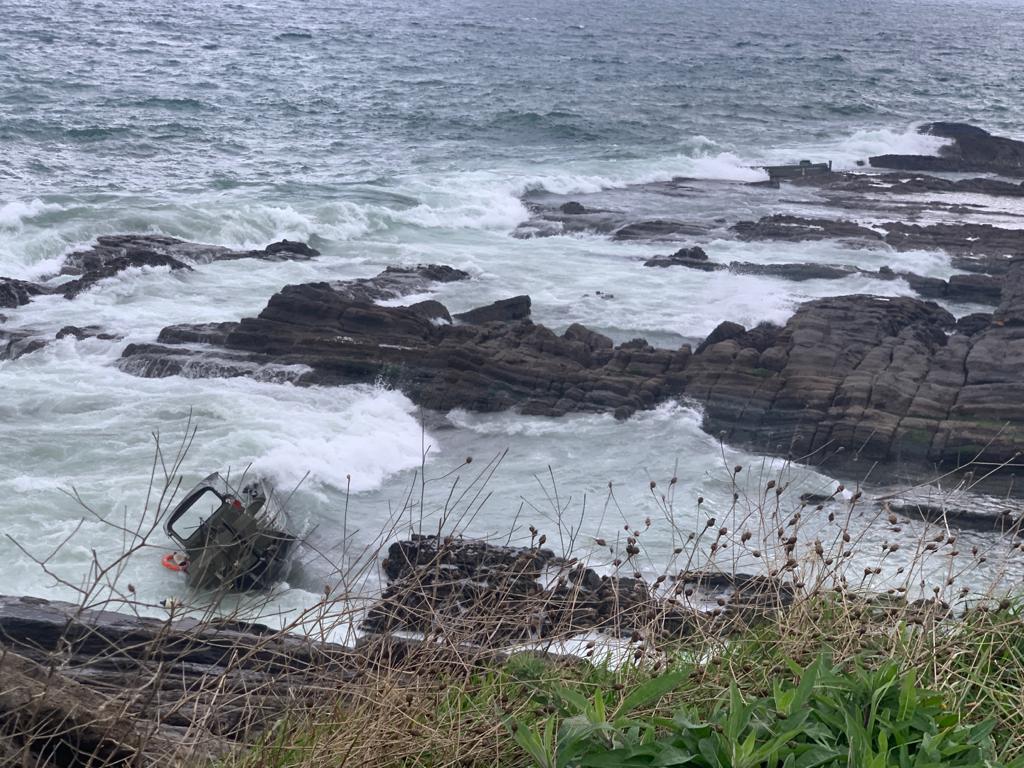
[(91, 686), (848, 382)]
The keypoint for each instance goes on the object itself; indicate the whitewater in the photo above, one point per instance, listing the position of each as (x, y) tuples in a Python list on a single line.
[(384, 134)]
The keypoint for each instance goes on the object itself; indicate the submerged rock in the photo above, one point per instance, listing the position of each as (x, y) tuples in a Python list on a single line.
[(658, 229), (100, 270), (782, 226), (113, 254)]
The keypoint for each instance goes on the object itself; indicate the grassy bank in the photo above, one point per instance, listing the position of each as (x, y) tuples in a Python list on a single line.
[(830, 681)]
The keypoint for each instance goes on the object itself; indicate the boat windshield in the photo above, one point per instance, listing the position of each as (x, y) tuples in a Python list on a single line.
[(202, 506)]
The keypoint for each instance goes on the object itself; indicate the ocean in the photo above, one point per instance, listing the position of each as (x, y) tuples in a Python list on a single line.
[(394, 133)]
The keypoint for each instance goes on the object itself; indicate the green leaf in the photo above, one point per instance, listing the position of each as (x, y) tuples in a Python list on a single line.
[(649, 692), (531, 743)]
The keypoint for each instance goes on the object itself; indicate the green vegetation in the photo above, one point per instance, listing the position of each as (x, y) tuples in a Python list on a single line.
[(825, 717), (830, 682)]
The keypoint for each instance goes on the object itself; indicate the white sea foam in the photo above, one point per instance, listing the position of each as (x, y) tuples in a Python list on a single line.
[(847, 151), (14, 214)]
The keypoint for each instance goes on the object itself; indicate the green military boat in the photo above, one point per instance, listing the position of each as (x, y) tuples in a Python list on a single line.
[(232, 540), (799, 170)]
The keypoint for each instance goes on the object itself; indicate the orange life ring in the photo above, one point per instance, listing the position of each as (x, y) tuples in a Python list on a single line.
[(170, 564)]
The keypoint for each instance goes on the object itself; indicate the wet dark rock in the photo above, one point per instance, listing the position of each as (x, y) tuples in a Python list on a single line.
[(88, 332), (658, 229), (395, 282), (912, 184), (974, 323), (203, 333), (464, 555), (785, 227), (971, 150), (20, 342), (975, 247), (572, 208), (111, 267), (136, 248), (486, 365), (977, 289), (1003, 521), (796, 272), (694, 258), (14, 293), (114, 253), (496, 595), (292, 248), (723, 332), (855, 379), (503, 311), (817, 498), (971, 242), (434, 311)]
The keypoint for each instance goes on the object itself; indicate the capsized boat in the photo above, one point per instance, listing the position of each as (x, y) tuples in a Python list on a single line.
[(233, 540), (798, 171)]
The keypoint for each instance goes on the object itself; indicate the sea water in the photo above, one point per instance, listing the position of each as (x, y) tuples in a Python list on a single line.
[(388, 133)]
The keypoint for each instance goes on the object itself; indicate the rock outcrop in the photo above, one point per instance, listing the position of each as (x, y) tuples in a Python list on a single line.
[(488, 594), (495, 359), (14, 293), (971, 150), (854, 379)]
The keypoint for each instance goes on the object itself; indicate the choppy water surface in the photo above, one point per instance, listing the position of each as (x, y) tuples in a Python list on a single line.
[(388, 133)]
